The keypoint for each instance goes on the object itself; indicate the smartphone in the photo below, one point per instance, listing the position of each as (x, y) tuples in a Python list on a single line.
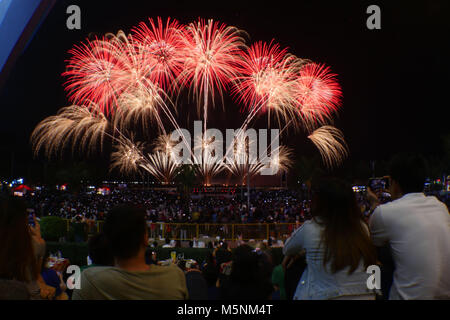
[(359, 189), (31, 218), (381, 183)]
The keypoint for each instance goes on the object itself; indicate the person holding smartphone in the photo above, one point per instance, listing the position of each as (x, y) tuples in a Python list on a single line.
[(416, 229), (21, 262)]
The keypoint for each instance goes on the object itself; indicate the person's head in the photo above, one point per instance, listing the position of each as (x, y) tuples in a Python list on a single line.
[(126, 231), (210, 258), (155, 244), (345, 237), (408, 174), (100, 251), (261, 245), (17, 258), (209, 271), (182, 264), (245, 265), (167, 241)]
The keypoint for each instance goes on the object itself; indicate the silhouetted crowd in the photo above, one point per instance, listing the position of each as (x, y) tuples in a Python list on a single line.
[(163, 206), (399, 251)]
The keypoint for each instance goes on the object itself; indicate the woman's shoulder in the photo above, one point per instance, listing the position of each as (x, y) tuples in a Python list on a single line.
[(311, 225), (310, 230)]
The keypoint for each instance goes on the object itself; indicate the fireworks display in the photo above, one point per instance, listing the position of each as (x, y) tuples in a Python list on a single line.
[(161, 166), (267, 81), (212, 51), (318, 94), (208, 164), (165, 49), (128, 157), (95, 73), (331, 144), (76, 126), (238, 160), (119, 83)]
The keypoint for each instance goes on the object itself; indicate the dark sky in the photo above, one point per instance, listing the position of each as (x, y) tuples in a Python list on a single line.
[(394, 80)]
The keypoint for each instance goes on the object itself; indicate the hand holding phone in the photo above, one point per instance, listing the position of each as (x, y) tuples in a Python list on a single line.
[(372, 197), (35, 229), (32, 219), (380, 183)]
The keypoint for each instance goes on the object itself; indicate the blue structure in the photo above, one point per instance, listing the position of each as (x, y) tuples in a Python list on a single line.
[(19, 20)]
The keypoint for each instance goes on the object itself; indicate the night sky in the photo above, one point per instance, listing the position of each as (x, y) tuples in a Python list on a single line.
[(394, 80)]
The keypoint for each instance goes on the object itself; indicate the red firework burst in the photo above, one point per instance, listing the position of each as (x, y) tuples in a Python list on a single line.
[(318, 91), (164, 47), (266, 74), (211, 54), (96, 72)]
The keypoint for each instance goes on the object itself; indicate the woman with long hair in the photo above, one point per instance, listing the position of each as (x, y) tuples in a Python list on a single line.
[(337, 244), (22, 247)]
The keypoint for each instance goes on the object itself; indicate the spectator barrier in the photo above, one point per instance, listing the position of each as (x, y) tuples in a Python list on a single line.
[(191, 231), (77, 252)]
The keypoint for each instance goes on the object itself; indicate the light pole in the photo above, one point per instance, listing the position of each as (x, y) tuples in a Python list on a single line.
[(248, 186)]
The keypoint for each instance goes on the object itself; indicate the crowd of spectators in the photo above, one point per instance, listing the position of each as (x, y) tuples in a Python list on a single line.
[(326, 258), (165, 206)]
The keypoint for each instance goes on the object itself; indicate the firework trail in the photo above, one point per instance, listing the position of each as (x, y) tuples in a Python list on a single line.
[(115, 72), (97, 73), (212, 51), (266, 81), (118, 81), (140, 104), (210, 164), (128, 157), (119, 73), (166, 47), (282, 162), (318, 94), (281, 159), (331, 144), (139, 68), (162, 166), (164, 144), (239, 163), (73, 125), (162, 163)]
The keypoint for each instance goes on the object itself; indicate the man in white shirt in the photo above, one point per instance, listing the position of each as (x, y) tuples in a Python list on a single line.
[(417, 229)]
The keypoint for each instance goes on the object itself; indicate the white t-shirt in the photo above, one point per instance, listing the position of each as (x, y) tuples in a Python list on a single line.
[(417, 229)]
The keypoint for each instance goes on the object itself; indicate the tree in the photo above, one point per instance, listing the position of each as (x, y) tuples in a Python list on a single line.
[(186, 180), (305, 169)]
